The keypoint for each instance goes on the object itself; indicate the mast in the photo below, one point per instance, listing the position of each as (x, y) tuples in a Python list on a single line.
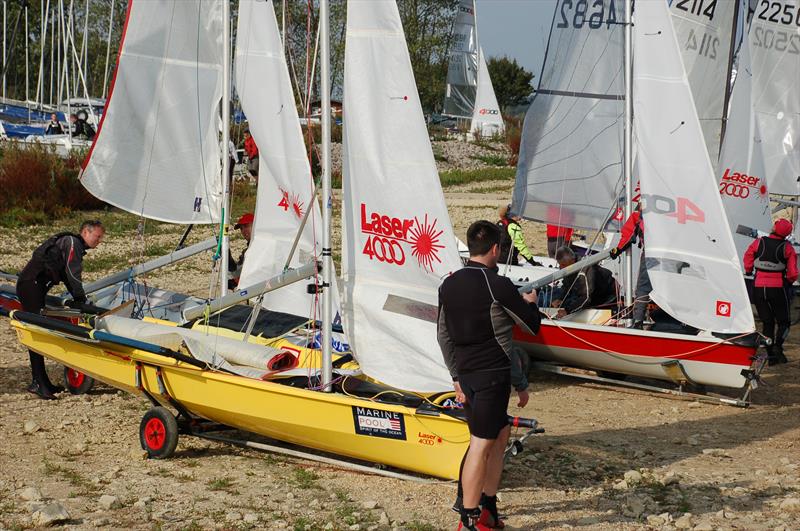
[(728, 87), (327, 262), (5, 20), (628, 155), (108, 48), (226, 133)]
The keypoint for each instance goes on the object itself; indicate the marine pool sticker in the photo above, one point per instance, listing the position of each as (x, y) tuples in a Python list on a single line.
[(379, 423)]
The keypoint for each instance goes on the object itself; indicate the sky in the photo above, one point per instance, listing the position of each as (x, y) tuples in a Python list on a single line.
[(516, 28)]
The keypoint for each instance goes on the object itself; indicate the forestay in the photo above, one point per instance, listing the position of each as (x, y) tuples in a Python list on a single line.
[(398, 243), (486, 117), (698, 279), (775, 48), (157, 151), (570, 166), (704, 29), (462, 68), (285, 184), (742, 179)]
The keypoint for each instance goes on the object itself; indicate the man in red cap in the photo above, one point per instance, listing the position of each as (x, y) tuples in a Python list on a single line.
[(775, 262), (245, 226)]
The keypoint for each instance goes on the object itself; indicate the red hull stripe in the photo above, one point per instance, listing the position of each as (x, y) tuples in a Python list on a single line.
[(111, 87), (553, 336)]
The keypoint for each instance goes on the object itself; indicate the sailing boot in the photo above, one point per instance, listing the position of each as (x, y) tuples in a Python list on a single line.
[(489, 516), (780, 357), (470, 521), (772, 355), (41, 391)]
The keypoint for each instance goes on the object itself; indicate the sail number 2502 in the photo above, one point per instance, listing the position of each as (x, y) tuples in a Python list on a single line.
[(680, 208), (578, 13)]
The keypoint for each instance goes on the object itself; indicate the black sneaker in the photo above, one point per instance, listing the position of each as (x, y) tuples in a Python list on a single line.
[(41, 391)]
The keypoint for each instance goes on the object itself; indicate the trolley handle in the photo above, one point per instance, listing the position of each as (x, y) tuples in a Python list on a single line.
[(522, 422)]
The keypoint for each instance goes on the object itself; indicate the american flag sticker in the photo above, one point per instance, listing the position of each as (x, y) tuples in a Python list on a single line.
[(379, 423)]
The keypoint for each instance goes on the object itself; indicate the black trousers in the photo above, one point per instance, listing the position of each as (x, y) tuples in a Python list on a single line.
[(32, 294), (772, 305)]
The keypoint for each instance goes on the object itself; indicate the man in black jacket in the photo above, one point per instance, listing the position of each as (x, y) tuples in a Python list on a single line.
[(591, 287), (477, 312), (58, 259)]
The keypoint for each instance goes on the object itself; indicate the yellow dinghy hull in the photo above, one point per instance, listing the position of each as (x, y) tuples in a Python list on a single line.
[(424, 442)]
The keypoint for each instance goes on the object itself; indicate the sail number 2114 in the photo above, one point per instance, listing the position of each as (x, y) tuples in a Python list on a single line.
[(578, 13)]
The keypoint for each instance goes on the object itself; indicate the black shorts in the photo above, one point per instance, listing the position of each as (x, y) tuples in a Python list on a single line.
[(487, 401)]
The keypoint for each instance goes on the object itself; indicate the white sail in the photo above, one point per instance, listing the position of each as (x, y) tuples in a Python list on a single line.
[(705, 32), (570, 164), (157, 151), (486, 118), (698, 279), (741, 174), (398, 243), (775, 49), (285, 184), (462, 68)]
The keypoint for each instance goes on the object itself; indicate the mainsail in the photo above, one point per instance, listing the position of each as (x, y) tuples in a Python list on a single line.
[(741, 174), (157, 151), (398, 243), (698, 279), (462, 69), (570, 168), (486, 117), (705, 33), (285, 184), (775, 48)]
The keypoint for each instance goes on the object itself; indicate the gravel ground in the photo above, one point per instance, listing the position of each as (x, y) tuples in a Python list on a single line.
[(611, 458)]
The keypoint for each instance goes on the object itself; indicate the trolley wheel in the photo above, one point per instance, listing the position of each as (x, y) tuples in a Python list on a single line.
[(158, 433), (516, 448), (76, 382)]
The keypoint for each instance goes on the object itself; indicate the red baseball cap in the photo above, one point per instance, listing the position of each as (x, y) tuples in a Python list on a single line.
[(246, 219)]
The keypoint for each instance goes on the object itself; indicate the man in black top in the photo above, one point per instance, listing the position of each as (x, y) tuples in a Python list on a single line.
[(58, 259), (477, 312), (591, 287)]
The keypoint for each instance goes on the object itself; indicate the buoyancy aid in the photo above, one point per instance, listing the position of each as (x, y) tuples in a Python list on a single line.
[(771, 255)]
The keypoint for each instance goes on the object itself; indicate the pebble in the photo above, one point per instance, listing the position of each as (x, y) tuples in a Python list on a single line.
[(773, 489), (684, 522), (108, 502), (30, 426), (384, 518), (233, 517), (355, 527), (50, 514), (695, 405), (328, 526), (790, 504), (31, 494), (250, 518), (715, 452), (621, 485), (704, 526), (369, 505), (632, 477)]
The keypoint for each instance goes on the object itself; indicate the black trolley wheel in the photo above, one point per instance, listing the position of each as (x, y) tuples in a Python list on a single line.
[(158, 433), (76, 382)]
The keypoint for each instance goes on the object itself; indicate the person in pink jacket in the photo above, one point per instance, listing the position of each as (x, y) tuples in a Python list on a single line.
[(775, 263)]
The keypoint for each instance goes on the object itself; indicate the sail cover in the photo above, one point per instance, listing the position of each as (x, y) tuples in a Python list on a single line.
[(570, 164), (775, 48), (697, 278), (486, 117), (398, 243), (705, 35), (157, 151), (285, 185), (741, 174), (462, 69)]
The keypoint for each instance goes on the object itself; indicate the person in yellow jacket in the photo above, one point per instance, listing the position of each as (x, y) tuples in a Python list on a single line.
[(512, 241)]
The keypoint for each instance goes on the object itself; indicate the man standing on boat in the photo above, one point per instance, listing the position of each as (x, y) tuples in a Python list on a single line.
[(58, 259), (245, 226), (633, 231), (54, 126), (775, 262), (477, 312), (512, 241), (251, 149)]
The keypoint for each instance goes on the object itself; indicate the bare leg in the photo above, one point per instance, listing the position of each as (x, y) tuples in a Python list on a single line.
[(473, 476), (494, 463)]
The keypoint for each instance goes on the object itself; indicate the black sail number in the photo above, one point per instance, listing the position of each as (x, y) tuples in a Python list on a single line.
[(779, 12), (579, 13)]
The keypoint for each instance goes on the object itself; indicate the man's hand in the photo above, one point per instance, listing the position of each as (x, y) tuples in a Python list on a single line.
[(561, 313), (523, 398), (615, 252), (555, 303), (531, 297), (76, 304), (460, 396)]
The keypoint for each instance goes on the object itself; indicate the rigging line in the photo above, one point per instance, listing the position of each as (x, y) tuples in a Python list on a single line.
[(199, 114)]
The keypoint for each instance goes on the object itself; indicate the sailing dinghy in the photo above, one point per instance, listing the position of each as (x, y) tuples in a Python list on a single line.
[(571, 168)]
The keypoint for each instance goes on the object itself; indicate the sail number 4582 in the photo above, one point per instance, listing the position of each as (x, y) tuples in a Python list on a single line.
[(680, 208), (595, 14)]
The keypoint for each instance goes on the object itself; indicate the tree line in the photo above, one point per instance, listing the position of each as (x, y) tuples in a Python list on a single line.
[(427, 25)]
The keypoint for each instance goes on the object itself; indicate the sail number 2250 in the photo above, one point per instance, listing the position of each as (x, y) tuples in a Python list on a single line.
[(578, 13)]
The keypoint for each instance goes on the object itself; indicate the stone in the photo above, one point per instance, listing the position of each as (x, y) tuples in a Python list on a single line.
[(139, 504), (670, 478), (369, 505), (328, 527), (634, 506), (695, 405), (692, 441), (80, 448), (655, 520), (621, 485), (790, 505), (705, 525), (773, 489), (233, 516), (314, 503), (355, 527), (250, 518), (50, 514), (108, 502), (31, 494), (383, 519), (715, 452), (30, 426), (588, 520), (290, 495), (633, 476), (684, 522)]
